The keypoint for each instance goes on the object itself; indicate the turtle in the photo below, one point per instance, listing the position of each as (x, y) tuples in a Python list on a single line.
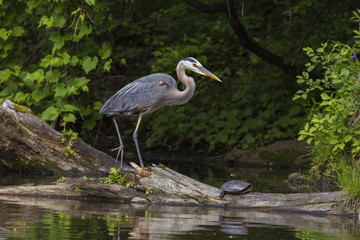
[(235, 186)]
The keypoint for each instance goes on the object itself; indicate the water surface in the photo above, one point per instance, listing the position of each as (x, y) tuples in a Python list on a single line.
[(31, 218), (70, 219)]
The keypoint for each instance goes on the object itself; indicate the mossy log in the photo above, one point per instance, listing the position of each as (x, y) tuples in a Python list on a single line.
[(162, 185), (27, 143), (31, 145)]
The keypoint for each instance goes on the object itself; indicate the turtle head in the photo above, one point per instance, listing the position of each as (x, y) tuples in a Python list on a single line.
[(222, 194)]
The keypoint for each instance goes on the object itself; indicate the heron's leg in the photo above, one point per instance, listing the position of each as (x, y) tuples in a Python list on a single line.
[(135, 135), (121, 147)]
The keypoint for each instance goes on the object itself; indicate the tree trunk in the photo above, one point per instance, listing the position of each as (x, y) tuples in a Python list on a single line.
[(31, 145)]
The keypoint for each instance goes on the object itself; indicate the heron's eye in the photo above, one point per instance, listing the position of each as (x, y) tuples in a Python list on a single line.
[(194, 64)]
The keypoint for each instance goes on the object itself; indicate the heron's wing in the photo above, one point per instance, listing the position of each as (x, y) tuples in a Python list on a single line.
[(141, 95)]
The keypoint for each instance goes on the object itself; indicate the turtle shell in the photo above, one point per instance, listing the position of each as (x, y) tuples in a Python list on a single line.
[(235, 186)]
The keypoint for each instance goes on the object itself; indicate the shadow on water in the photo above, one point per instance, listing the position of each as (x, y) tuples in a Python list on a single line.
[(11, 178), (69, 219)]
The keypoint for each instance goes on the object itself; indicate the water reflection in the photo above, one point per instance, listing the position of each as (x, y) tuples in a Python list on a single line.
[(68, 219)]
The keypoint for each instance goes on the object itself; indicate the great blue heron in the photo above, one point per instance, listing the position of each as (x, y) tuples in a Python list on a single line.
[(150, 93)]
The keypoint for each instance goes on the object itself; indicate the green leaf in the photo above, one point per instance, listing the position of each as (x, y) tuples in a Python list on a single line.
[(38, 75), (20, 97), (59, 21), (83, 30), (18, 31), (339, 146), (74, 60), (157, 53), (58, 41), (79, 82), (336, 81), (38, 94), (97, 105), (107, 65), (61, 90), (70, 108), (89, 64), (345, 72), (306, 127), (65, 57), (5, 75), (302, 137), (8, 90), (90, 2), (105, 50), (70, 118), (50, 114), (46, 21), (53, 75), (310, 68), (5, 34), (320, 50), (324, 96), (347, 138)]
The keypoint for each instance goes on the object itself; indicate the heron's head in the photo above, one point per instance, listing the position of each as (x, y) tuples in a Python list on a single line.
[(195, 66)]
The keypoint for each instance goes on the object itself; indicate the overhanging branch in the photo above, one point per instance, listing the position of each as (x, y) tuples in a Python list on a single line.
[(228, 8)]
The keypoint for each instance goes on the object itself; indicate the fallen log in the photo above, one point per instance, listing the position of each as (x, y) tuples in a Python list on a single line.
[(162, 185), (29, 144)]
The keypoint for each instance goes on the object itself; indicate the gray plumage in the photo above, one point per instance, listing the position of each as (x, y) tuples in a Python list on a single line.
[(150, 93), (146, 94)]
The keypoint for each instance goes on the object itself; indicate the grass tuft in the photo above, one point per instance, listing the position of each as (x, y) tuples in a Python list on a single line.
[(348, 179)]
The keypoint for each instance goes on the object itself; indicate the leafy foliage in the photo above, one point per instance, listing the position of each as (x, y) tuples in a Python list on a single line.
[(348, 179), (332, 125), (47, 61), (333, 116), (64, 58), (61, 180), (69, 137), (115, 177)]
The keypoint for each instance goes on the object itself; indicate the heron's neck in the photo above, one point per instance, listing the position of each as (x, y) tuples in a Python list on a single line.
[(184, 96)]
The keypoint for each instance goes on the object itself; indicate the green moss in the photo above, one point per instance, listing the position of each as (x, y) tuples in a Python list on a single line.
[(21, 108)]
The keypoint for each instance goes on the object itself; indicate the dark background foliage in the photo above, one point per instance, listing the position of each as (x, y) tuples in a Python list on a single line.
[(63, 59)]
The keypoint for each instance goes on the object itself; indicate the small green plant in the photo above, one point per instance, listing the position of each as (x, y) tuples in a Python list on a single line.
[(348, 180), (130, 184), (69, 137), (61, 180), (87, 179), (148, 190), (115, 177)]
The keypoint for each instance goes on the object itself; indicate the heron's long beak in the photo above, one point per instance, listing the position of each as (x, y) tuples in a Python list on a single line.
[(206, 72)]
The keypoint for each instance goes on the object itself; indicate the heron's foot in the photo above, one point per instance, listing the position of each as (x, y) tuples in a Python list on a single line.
[(120, 148)]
